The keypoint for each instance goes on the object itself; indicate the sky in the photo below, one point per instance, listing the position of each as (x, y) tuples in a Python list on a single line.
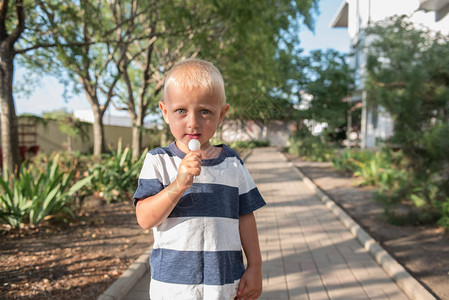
[(48, 95)]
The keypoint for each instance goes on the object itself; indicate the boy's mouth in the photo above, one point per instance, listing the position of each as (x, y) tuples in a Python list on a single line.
[(193, 136)]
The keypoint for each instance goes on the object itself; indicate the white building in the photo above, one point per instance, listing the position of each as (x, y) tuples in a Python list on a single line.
[(87, 115), (356, 15)]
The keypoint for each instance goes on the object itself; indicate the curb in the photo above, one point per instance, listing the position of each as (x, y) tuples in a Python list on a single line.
[(407, 283), (125, 283)]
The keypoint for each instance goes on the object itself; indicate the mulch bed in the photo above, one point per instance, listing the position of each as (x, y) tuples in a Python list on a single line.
[(77, 260)]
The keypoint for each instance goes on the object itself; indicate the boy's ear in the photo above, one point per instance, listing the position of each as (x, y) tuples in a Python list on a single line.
[(224, 110), (163, 109)]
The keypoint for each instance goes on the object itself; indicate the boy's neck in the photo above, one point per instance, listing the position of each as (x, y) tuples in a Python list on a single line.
[(211, 152)]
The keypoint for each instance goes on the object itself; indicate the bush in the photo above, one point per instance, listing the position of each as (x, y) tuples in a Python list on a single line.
[(115, 175), (443, 207), (415, 201), (408, 198), (14, 201), (36, 194), (311, 147), (347, 160), (250, 144)]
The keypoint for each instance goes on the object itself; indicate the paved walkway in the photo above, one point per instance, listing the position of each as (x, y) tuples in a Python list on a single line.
[(307, 252)]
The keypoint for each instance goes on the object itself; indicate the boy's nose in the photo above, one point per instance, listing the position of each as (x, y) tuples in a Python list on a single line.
[(193, 121)]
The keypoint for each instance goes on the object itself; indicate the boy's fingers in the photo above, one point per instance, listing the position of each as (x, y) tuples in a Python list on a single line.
[(248, 293), (194, 154), (241, 288)]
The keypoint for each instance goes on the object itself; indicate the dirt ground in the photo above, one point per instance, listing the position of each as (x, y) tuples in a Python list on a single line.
[(422, 250), (71, 261)]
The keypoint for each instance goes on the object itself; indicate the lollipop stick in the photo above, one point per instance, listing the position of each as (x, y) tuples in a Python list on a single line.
[(194, 145)]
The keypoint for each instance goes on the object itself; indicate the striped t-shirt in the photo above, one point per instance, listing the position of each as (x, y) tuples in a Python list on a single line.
[(197, 251)]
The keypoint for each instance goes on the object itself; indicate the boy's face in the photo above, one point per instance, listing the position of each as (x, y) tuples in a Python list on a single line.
[(193, 114)]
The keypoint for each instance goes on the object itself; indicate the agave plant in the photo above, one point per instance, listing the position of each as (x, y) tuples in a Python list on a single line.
[(51, 192), (14, 202), (36, 194), (115, 177)]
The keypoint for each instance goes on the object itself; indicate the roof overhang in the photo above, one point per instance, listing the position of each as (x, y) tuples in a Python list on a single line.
[(341, 18), (433, 5)]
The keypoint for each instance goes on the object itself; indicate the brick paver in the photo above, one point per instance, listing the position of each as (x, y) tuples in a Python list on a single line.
[(307, 252)]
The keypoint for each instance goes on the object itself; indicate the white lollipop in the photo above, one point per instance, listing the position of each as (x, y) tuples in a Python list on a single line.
[(194, 145)]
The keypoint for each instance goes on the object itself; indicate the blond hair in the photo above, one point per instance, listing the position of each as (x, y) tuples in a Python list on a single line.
[(195, 73)]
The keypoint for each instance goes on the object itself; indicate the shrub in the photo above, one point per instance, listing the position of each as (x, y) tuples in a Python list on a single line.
[(311, 147), (443, 207), (424, 200), (347, 160), (115, 175), (14, 201), (36, 194), (250, 144)]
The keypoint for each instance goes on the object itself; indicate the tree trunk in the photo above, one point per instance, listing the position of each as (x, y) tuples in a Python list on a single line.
[(137, 135), (10, 141), (99, 145), (137, 141), (69, 144)]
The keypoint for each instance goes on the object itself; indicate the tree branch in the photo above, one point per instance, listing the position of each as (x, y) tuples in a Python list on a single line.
[(20, 23), (3, 12), (391, 84)]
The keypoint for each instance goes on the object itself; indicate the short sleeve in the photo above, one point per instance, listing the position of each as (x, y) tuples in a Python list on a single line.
[(250, 198), (150, 179)]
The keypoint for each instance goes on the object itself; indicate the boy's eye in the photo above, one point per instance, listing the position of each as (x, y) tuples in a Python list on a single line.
[(205, 111), (180, 111)]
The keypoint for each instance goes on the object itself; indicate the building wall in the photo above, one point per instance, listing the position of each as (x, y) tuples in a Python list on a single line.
[(49, 137), (276, 132)]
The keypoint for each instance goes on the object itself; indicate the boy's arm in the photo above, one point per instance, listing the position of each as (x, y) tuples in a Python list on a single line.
[(250, 286), (153, 211)]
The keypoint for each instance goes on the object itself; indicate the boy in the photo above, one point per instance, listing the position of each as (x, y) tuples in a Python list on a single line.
[(199, 203)]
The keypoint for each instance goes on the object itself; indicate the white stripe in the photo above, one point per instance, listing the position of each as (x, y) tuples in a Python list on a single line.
[(229, 172), (246, 181), (171, 291), (160, 166), (198, 234)]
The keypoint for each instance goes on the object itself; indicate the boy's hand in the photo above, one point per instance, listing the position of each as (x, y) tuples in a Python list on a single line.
[(250, 286), (190, 166)]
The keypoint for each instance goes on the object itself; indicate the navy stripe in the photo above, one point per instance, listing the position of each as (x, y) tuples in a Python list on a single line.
[(161, 150), (196, 267), (250, 201), (147, 188), (208, 200)]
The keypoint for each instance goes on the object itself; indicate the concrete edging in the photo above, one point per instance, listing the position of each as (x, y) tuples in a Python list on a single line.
[(411, 287), (126, 281)]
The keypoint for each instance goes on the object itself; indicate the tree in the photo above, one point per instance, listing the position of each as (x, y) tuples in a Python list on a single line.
[(19, 27), (170, 30), (408, 75), (122, 49), (241, 38), (9, 35), (84, 44), (259, 62), (329, 80)]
